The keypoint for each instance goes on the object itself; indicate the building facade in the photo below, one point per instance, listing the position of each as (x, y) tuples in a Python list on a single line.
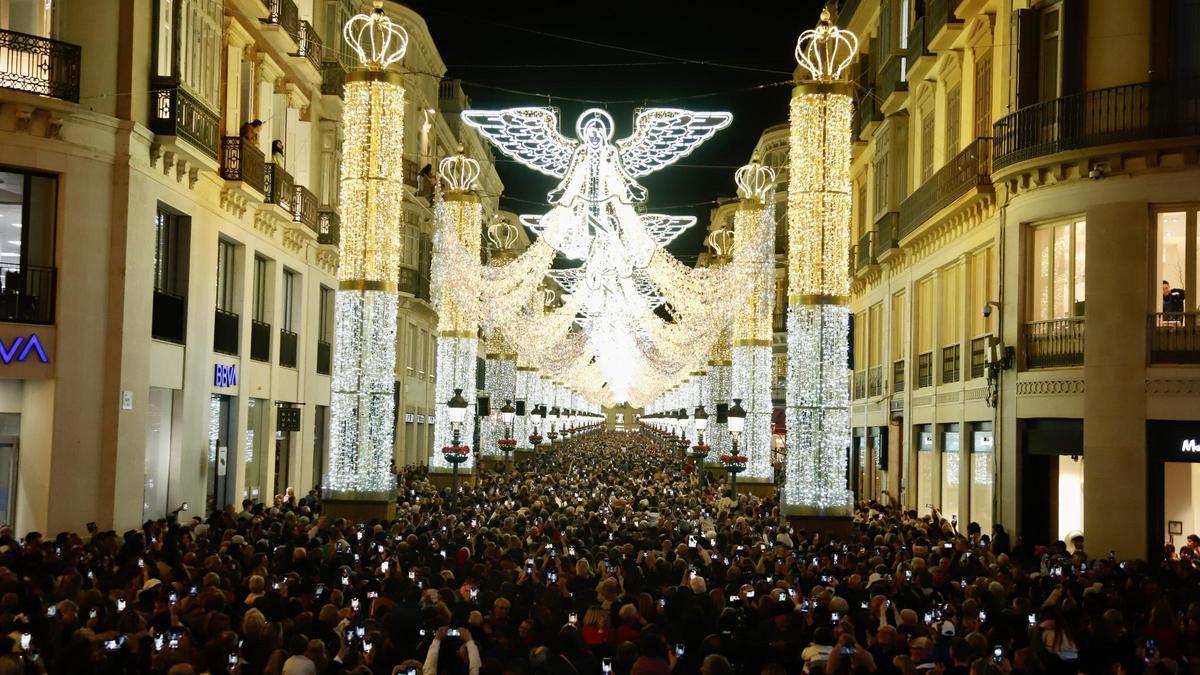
[(1025, 202), (169, 268)]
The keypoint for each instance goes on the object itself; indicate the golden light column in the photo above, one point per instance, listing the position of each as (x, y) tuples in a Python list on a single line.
[(372, 193), (456, 213), (754, 225), (818, 399)]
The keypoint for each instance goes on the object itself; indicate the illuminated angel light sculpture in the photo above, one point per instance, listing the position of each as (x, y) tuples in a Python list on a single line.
[(818, 319)]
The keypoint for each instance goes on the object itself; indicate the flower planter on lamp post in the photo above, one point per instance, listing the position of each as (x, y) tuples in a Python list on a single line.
[(456, 453), (735, 463), (508, 443)]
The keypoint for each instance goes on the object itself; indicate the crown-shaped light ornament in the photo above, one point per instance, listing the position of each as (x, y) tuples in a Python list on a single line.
[(826, 51), (548, 297), (721, 242), (376, 41), (754, 181), (458, 172), (501, 234)]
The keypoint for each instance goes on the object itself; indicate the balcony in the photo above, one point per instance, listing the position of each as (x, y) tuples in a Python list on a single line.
[(39, 65), (860, 385), (411, 173), (970, 169), (242, 161), (864, 252), (1057, 343), (1133, 112), (324, 357), (951, 364), (285, 14), (867, 116), (168, 317), (260, 341), (887, 233), (287, 348), (846, 11), (329, 226), (304, 209), (898, 376), (178, 114), (278, 188), (979, 356), (918, 57), (924, 370), (875, 381), (225, 332), (333, 79), (308, 45), (892, 80), (27, 293), (408, 282), (941, 24), (1174, 338)]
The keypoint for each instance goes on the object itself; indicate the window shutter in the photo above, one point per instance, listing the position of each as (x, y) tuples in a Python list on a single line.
[(1026, 27), (1074, 37)]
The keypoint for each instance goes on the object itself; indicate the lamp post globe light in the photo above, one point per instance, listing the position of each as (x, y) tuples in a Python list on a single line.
[(507, 415), (699, 451), (456, 453), (735, 463), (553, 435)]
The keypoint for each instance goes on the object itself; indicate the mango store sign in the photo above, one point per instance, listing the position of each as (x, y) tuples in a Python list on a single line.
[(1190, 445)]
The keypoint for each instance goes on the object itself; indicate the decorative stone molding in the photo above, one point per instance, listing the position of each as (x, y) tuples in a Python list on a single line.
[(327, 258), (949, 397), (293, 238), (234, 202), (1174, 387), (975, 394), (1049, 387), (266, 221), (919, 401)]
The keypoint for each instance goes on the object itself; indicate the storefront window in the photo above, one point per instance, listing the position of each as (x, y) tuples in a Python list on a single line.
[(950, 469), (924, 467), (1070, 496), (1058, 279), (159, 406), (255, 448), (981, 477)]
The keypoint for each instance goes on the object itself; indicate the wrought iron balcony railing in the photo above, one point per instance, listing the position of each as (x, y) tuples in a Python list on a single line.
[(1056, 343), (178, 113), (969, 169), (866, 112), (887, 232), (408, 281), (226, 332), (333, 79), (411, 172), (846, 11), (241, 160), (288, 343), (329, 225), (892, 77), (865, 252), (278, 188), (1174, 337), (309, 44), (260, 340), (168, 319), (324, 357), (27, 293), (304, 208), (39, 65), (285, 14), (938, 15), (918, 43), (1131, 112)]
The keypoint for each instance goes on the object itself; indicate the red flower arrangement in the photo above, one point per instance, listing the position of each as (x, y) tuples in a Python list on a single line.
[(508, 443), (701, 449), (456, 450), (536, 439), (734, 463), (553, 435)]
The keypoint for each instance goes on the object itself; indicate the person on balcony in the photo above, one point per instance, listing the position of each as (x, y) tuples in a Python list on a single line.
[(277, 152), (1172, 303)]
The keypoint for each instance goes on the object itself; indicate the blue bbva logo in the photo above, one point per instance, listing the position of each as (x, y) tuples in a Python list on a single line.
[(224, 376), (20, 349)]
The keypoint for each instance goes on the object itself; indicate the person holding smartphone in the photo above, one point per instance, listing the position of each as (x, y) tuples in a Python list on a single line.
[(468, 652)]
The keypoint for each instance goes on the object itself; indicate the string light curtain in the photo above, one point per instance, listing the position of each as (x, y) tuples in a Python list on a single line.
[(371, 190), (752, 330), (818, 276)]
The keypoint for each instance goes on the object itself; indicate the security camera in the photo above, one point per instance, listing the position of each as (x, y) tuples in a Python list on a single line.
[(1098, 171), (987, 311)]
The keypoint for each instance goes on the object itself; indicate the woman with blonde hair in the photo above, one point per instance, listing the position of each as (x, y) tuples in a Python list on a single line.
[(597, 628)]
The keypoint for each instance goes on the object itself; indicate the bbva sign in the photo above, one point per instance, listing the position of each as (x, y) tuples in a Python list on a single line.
[(21, 348)]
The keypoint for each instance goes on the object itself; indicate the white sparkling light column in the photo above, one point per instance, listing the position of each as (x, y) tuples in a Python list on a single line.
[(754, 225), (500, 384), (818, 416), (456, 213), (526, 393), (718, 393), (372, 192)]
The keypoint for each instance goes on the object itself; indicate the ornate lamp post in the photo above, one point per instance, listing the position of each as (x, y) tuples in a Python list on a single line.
[(456, 453), (681, 419), (699, 451), (508, 443), (735, 463), (539, 413), (553, 435)]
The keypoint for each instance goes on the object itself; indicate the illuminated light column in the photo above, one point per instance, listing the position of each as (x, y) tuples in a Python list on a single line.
[(717, 398), (456, 213), (526, 393), (754, 224), (818, 399), (500, 384), (372, 192)]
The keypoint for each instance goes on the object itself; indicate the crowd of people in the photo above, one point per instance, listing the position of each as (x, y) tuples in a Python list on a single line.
[(603, 554)]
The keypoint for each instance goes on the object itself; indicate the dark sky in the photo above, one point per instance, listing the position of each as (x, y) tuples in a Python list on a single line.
[(549, 43)]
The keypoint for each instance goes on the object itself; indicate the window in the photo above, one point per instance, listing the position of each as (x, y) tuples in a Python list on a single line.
[(1049, 55), (880, 177), (860, 340), (189, 38), (226, 251), (320, 443), (982, 289), (1057, 280), (414, 348), (170, 253), (291, 286), (982, 485), (925, 467), (325, 315), (35, 17), (410, 246), (255, 447), (983, 94), (950, 469), (954, 120), (1176, 250), (260, 289), (923, 318), (927, 145), (897, 339)]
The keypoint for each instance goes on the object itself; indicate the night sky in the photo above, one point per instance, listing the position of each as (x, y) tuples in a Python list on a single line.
[(549, 45)]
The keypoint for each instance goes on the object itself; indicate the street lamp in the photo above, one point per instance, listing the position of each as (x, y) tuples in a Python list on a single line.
[(456, 410), (699, 451), (735, 463), (507, 414), (553, 423)]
